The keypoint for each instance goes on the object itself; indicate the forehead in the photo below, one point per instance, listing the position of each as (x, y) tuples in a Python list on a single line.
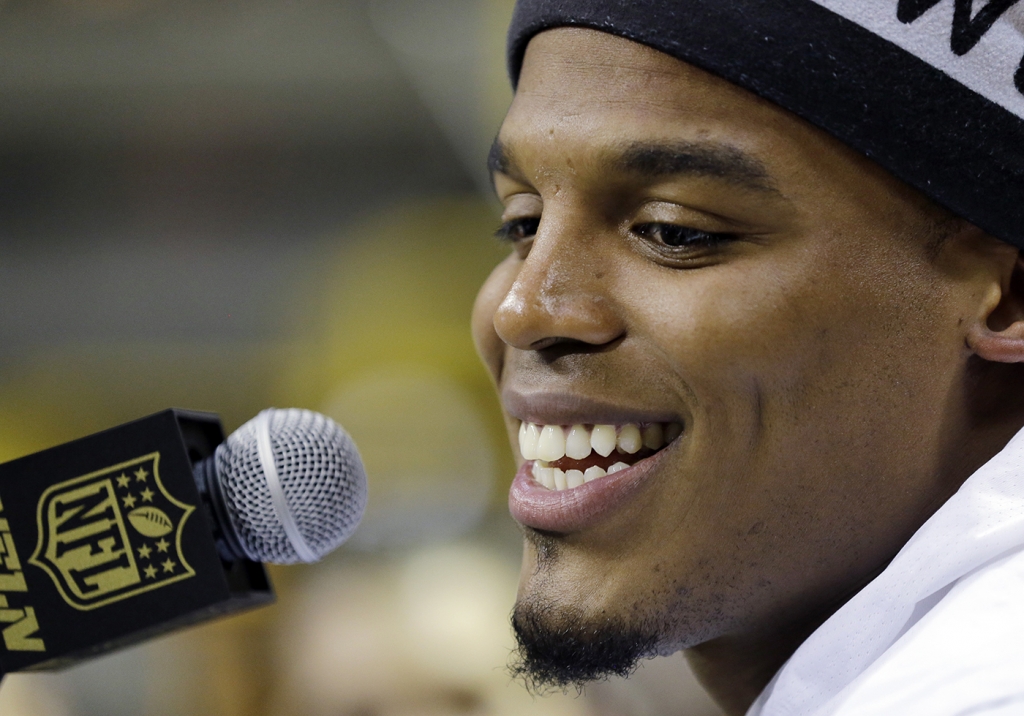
[(616, 70), (587, 96)]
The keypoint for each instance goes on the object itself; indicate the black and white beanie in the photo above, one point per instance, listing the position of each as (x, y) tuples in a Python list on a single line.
[(933, 90)]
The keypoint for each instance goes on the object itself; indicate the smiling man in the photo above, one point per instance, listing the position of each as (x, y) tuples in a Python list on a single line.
[(759, 344)]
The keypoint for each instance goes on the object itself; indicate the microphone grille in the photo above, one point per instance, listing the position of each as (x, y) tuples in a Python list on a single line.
[(293, 485)]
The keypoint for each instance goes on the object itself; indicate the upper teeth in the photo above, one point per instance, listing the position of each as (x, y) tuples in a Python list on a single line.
[(553, 442)]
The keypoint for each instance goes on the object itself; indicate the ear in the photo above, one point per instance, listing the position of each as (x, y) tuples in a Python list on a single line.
[(998, 334)]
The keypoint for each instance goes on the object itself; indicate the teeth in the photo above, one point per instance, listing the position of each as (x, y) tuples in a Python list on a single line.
[(629, 439), (602, 439), (577, 443), (551, 445), (560, 483), (573, 478), (545, 444), (654, 436), (554, 479), (529, 435), (544, 475)]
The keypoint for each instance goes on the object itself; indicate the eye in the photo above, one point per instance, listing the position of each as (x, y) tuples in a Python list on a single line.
[(515, 230), (675, 236)]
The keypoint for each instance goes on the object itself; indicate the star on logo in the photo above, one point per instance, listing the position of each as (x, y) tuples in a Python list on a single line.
[(150, 571), (168, 565), (162, 545), (147, 495), (145, 551), (123, 480), (129, 501), (141, 474)]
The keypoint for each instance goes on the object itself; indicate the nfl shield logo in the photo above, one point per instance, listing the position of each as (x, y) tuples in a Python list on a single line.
[(112, 534)]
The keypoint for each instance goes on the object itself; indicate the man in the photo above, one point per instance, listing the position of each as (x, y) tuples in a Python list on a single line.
[(759, 345)]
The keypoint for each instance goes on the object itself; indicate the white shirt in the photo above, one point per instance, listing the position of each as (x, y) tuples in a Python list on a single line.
[(940, 632)]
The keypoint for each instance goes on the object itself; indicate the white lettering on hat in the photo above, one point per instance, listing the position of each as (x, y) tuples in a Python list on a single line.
[(980, 44)]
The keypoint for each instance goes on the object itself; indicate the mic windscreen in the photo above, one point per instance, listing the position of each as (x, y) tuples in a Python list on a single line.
[(292, 486)]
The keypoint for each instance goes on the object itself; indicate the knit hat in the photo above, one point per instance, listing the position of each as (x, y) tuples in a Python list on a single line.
[(932, 90)]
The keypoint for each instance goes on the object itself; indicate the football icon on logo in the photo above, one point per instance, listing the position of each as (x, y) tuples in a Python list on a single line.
[(150, 521)]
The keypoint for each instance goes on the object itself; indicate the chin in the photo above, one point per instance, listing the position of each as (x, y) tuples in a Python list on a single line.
[(562, 646), (571, 630)]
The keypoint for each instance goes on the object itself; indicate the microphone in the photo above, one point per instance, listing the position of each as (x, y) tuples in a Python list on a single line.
[(161, 523), (286, 487)]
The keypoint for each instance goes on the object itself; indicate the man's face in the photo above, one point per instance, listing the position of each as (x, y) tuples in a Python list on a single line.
[(685, 253)]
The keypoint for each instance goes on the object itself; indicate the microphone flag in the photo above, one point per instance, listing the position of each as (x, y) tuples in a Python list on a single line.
[(122, 543)]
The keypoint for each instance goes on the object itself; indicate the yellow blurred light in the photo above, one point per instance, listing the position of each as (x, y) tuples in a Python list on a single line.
[(456, 600), (429, 460)]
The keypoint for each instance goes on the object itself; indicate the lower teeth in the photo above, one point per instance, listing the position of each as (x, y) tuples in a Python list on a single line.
[(556, 479)]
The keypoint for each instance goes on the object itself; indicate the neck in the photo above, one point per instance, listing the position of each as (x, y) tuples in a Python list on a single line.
[(735, 668)]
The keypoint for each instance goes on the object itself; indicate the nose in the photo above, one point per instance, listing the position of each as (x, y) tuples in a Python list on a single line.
[(560, 295)]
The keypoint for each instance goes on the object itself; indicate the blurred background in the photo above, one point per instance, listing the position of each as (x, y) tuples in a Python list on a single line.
[(225, 206)]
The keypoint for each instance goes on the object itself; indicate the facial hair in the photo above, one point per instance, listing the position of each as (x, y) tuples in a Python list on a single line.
[(558, 648)]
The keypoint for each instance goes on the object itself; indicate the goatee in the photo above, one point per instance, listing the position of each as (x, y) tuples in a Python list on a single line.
[(557, 648)]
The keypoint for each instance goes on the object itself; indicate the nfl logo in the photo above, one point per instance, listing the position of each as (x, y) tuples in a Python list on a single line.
[(112, 534)]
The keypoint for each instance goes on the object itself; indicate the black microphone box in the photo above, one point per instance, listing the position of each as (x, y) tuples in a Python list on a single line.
[(106, 541)]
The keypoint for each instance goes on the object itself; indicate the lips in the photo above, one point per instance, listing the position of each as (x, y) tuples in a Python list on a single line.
[(575, 474), (575, 509)]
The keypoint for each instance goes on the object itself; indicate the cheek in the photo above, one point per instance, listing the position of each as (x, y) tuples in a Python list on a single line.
[(489, 346), (725, 330), (765, 345)]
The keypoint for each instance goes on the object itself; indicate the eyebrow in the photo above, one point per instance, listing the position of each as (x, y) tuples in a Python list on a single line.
[(663, 159), (705, 159)]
